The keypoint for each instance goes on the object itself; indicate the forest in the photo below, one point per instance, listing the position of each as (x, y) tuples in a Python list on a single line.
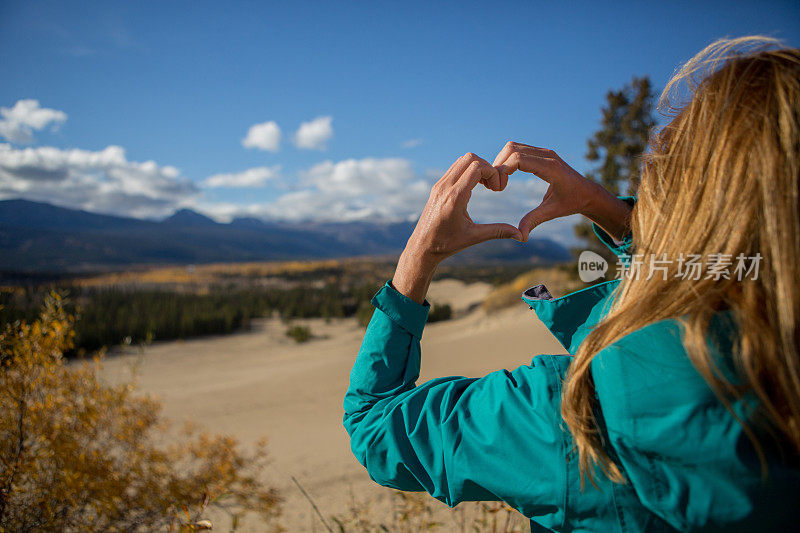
[(114, 315), (180, 303)]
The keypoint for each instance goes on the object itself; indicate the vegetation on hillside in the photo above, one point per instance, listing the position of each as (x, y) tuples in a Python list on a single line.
[(115, 315), (183, 302), (558, 280)]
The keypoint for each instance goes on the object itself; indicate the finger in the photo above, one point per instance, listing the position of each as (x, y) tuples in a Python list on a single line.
[(488, 175), (507, 150), (479, 170), (501, 171), (543, 167), (511, 147), (457, 168), (542, 213), (503, 180), (487, 232)]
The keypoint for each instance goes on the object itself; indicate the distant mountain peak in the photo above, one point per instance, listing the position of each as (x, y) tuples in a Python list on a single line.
[(248, 222), (35, 236), (187, 217)]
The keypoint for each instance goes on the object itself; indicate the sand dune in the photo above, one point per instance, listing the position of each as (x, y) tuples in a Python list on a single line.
[(262, 383)]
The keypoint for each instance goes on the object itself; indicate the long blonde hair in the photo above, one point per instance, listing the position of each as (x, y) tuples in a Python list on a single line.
[(721, 178)]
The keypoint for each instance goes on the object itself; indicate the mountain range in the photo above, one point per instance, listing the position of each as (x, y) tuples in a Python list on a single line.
[(40, 237)]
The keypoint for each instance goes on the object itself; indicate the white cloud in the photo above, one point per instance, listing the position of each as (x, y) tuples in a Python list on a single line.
[(359, 177), (389, 189), (411, 143), (252, 177), (19, 122), (353, 189), (385, 189), (522, 194), (103, 181), (314, 135), (265, 136)]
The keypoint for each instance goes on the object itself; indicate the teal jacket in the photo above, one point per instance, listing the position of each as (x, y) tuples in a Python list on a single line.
[(688, 464)]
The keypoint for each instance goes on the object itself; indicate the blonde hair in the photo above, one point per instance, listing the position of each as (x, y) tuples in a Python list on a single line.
[(722, 178)]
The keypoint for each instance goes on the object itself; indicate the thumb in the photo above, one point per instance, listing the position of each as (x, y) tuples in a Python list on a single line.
[(540, 214), (487, 232)]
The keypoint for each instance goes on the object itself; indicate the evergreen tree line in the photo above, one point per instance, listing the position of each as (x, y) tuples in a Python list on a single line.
[(115, 315)]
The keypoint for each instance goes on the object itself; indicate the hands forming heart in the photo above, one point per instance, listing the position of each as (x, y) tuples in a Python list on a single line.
[(445, 228), (568, 192)]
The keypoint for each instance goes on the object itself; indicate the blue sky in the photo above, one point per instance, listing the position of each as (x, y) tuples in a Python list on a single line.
[(404, 87)]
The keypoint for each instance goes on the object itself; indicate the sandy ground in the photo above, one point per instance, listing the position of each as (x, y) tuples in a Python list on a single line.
[(263, 383)]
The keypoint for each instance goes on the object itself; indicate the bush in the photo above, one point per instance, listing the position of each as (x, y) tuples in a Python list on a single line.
[(299, 333), (364, 313), (79, 455), (440, 312)]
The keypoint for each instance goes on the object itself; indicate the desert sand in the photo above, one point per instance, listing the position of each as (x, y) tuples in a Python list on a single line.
[(261, 383)]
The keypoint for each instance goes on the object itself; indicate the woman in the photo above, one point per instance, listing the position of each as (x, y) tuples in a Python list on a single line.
[(680, 399)]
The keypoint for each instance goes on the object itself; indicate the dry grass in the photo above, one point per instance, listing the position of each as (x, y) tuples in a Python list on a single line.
[(559, 280), (204, 274), (416, 512)]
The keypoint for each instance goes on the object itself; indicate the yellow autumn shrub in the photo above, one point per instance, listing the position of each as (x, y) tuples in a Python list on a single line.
[(77, 454)]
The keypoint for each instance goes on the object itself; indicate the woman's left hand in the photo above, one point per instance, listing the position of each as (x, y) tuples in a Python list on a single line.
[(445, 228)]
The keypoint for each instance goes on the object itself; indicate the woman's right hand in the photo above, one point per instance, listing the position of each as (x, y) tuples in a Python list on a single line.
[(568, 192)]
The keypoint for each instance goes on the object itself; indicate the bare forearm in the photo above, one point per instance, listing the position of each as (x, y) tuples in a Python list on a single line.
[(609, 212), (414, 273)]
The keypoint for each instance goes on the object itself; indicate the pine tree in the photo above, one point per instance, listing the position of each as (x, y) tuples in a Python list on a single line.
[(616, 149)]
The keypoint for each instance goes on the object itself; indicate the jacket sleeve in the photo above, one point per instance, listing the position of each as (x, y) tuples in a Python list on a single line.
[(624, 248), (460, 439)]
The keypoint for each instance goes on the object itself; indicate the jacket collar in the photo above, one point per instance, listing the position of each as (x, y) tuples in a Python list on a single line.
[(570, 318)]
